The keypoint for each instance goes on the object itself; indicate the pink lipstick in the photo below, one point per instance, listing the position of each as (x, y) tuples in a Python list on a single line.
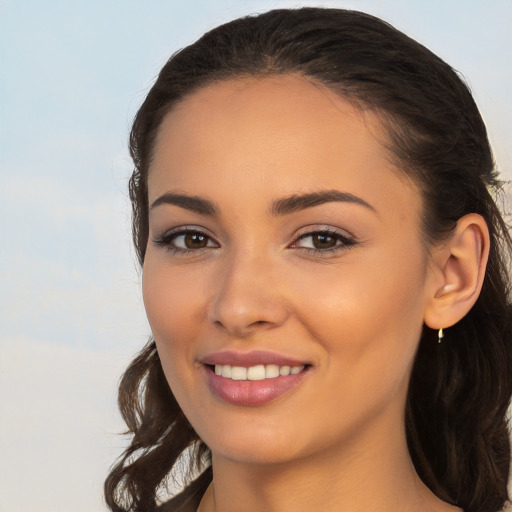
[(252, 378)]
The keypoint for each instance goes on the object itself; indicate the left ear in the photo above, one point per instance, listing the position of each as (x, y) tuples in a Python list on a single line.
[(458, 270)]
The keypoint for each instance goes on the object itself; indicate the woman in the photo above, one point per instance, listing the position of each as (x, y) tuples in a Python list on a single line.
[(324, 276)]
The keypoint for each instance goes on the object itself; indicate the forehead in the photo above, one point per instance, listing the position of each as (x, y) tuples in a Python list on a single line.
[(289, 108), (274, 136)]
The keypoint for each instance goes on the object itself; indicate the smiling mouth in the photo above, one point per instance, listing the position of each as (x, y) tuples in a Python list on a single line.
[(257, 372), (253, 385)]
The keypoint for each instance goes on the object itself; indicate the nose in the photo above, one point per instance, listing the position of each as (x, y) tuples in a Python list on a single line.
[(248, 297)]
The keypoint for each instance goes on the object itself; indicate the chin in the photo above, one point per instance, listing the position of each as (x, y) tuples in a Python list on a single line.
[(255, 454), (252, 446)]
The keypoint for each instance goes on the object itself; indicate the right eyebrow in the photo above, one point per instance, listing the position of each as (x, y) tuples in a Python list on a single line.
[(192, 203), (299, 202)]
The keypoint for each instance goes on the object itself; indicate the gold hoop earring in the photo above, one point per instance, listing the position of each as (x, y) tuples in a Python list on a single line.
[(440, 336)]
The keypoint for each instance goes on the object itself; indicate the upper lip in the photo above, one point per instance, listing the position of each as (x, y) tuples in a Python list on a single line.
[(248, 359)]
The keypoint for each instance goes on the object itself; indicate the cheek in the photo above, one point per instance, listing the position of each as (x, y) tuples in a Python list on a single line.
[(368, 325), (173, 306), (368, 314), (174, 309), (364, 294)]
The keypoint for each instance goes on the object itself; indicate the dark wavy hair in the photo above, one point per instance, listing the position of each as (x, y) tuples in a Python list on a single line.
[(459, 391)]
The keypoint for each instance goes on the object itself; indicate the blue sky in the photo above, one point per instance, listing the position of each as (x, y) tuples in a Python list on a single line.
[(73, 73)]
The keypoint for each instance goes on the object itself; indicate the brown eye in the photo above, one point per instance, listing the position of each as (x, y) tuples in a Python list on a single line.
[(186, 241), (195, 240), (323, 241)]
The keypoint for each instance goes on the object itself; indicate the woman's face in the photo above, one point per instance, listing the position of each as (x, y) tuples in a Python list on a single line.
[(282, 237)]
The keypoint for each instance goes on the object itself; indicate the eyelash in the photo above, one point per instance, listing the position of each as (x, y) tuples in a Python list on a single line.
[(343, 242), (165, 240)]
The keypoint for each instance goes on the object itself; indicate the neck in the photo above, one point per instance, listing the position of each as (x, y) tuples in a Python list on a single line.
[(374, 474)]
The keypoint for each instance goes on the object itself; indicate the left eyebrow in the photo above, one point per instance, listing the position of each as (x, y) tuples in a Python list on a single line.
[(299, 202), (192, 203)]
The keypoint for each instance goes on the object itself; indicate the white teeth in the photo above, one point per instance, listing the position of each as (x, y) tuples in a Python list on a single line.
[(238, 373), (258, 372), (284, 370), (271, 371)]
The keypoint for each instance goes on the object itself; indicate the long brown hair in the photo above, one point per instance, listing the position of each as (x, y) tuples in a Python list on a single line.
[(459, 390)]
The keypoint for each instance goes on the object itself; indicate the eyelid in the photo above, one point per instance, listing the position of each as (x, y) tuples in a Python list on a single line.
[(344, 239), (166, 237), (323, 228), (347, 239)]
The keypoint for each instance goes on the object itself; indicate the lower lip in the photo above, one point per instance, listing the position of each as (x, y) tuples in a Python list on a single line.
[(251, 392)]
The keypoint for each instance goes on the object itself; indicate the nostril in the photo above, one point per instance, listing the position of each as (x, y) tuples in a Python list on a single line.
[(242, 313)]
